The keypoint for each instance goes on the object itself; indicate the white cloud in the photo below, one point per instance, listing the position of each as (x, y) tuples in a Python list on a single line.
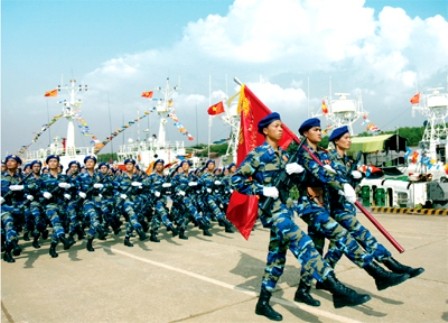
[(288, 42)]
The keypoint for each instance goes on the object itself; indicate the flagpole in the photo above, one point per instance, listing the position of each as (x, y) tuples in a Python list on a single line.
[(49, 128), (209, 117)]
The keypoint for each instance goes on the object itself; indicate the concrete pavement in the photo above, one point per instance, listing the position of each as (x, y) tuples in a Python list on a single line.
[(215, 279)]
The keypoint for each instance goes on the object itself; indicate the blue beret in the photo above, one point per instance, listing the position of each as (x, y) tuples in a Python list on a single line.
[(210, 161), (26, 166), (266, 121), (74, 162), (130, 160), (308, 124), (15, 157), (185, 161), (338, 133), (36, 162), (231, 165), (52, 157), (159, 161), (103, 164), (89, 157)]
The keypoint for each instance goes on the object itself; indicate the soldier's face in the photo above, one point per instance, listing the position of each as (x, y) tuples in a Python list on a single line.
[(274, 130), (104, 169), (211, 166), (344, 142), (314, 134), (12, 164), (159, 167), (36, 168), (90, 164), (53, 163)]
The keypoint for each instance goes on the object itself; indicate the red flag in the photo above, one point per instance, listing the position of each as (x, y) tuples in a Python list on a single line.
[(415, 99), (324, 107), (51, 93), (216, 109), (242, 210), (147, 94)]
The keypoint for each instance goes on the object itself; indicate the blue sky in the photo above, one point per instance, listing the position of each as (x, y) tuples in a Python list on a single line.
[(121, 48)]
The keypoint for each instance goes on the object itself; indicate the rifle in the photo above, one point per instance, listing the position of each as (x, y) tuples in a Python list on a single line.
[(283, 184), (364, 210), (19, 183)]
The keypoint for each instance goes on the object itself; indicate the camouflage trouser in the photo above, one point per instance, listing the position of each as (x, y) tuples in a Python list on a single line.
[(74, 216), (213, 206), (347, 218), (186, 210), (39, 220), (321, 226), (90, 212), (160, 216), (133, 223), (285, 234), (8, 226), (110, 216), (54, 214)]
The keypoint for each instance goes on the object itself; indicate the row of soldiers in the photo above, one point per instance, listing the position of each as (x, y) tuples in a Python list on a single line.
[(93, 201)]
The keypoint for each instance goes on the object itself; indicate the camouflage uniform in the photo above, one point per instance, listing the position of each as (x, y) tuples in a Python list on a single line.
[(262, 165)]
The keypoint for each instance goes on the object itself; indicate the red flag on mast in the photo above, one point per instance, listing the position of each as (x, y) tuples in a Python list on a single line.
[(415, 99), (147, 94), (216, 109), (51, 93), (242, 210)]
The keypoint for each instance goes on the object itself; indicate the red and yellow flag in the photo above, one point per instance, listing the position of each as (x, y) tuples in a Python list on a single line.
[(147, 94), (324, 107), (243, 209), (216, 109), (51, 93)]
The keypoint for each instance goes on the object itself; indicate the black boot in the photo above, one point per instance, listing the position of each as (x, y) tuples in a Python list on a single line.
[(128, 242), (174, 231), (263, 307), (7, 255), (153, 237), (45, 234), (228, 227), (100, 232), (36, 236), (16, 250), (89, 245), (342, 295), (67, 243), (52, 250), (182, 234), (26, 236), (398, 268), (80, 232), (142, 235), (384, 278), (303, 295)]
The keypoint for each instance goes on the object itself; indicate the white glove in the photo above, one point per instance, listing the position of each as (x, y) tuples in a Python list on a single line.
[(47, 195), (231, 190), (294, 168), (82, 195), (30, 198), (64, 185), (218, 183), (157, 193), (100, 196), (209, 190), (166, 185), (98, 185), (349, 193), (67, 196), (330, 169), (2, 200), (123, 196), (15, 188), (136, 184), (270, 191), (181, 193), (356, 174), (193, 184)]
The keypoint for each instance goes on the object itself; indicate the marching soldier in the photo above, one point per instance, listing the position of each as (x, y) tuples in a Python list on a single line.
[(255, 177), (345, 213), (89, 190), (158, 187), (314, 205), (128, 188), (54, 186)]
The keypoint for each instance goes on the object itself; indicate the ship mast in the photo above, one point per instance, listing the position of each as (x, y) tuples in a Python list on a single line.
[(70, 111), (164, 106)]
